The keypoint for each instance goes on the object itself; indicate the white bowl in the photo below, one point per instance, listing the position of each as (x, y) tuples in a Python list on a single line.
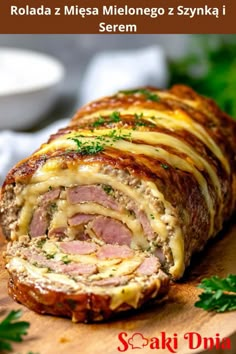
[(28, 86)]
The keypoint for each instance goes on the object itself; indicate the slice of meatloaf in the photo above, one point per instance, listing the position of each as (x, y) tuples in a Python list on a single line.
[(82, 279)]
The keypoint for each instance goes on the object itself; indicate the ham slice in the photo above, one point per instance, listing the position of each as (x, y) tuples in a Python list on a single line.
[(143, 219), (39, 223), (91, 193), (111, 231), (149, 266), (80, 219), (79, 269), (78, 247), (114, 251), (50, 196), (57, 232), (59, 266), (40, 220), (94, 193), (113, 281)]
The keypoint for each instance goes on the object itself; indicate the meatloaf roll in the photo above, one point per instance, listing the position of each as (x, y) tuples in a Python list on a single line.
[(147, 169), (82, 279)]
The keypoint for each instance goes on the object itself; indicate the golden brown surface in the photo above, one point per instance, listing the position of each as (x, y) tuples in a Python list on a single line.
[(51, 335)]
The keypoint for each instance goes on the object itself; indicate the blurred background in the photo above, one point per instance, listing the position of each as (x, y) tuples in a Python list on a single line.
[(95, 65)]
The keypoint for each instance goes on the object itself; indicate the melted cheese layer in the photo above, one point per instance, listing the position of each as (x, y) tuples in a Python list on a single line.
[(47, 176), (65, 142), (172, 120), (129, 293), (155, 138), (65, 211)]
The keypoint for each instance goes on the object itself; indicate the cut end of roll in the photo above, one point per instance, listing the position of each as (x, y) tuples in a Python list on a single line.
[(82, 279)]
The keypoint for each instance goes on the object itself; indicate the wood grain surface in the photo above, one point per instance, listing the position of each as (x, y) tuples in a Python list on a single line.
[(177, 314)]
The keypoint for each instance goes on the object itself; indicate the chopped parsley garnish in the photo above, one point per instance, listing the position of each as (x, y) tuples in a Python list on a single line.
[(152, 216), (40, 243), (43, 157), (53, 207), (117, 135), (164, 166), (66, 260), (138, 116), (99, 121), (147, 93), (139, 122), (97, 144), (219, 294), (12, 330), (49, 256), (108, 189), (49, 188), (114, 117), (88, 147)]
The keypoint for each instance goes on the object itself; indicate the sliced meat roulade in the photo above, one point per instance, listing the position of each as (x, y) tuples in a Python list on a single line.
[(148, 170), (82, 279)]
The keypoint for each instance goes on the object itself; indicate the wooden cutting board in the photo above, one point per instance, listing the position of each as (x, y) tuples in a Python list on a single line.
[(51, 335)]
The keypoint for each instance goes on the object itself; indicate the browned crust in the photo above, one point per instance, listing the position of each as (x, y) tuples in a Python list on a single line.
[(218, 125), (86, 307)]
